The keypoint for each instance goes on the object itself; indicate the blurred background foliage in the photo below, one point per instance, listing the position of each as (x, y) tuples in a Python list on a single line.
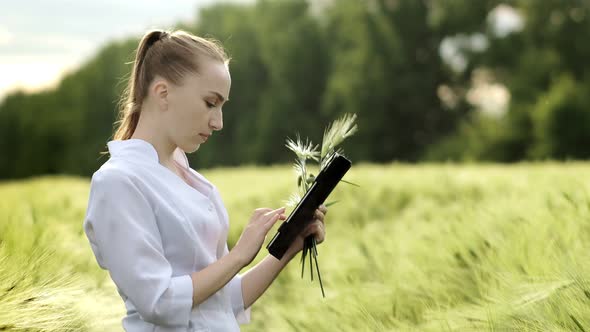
[(455, 80)]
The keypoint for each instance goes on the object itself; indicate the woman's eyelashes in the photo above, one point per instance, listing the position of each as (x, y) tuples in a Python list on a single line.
[(209, 104)]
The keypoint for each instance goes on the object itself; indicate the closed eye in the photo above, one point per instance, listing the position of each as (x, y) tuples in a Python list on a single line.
[(210, 105)]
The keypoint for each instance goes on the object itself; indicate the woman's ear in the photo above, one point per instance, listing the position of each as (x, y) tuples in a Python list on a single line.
[(160, 92)]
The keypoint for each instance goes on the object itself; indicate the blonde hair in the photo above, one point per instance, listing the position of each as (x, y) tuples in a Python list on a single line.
[(171, 55)]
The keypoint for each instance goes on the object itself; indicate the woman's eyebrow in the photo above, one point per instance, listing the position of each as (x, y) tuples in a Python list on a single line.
[(219, 96)]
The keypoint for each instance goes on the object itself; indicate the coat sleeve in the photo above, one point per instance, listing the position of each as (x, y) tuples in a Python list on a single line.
[(121, 228), (243, 315)]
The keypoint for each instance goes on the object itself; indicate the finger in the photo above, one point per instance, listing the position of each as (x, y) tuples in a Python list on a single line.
[(261, 211), (268, 225), (312, 228), (272, 212), (320, 233), (319, 215), (320, 238), (323, 208)]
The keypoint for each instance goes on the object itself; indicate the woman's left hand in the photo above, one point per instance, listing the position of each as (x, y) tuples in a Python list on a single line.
[(316, 227)]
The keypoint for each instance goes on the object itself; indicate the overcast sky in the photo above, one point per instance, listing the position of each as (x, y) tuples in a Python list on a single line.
[(40, 39)]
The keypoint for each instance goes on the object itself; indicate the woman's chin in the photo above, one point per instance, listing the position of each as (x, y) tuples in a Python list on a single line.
[(195, 148), (190, 147)]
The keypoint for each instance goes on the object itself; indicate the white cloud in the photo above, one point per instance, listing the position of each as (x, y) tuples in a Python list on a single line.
[(5, 36), (31, 73)]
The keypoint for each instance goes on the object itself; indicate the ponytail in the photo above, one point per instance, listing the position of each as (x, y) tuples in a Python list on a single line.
[(154, 57), (134, 93)]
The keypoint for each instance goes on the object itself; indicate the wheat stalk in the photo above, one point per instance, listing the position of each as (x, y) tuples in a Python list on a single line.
[(334, 134)]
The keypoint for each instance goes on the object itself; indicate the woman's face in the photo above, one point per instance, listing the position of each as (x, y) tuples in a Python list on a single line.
[(194, 107)]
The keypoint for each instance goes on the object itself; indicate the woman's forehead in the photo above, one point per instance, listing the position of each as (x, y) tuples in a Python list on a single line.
[(212, 76)]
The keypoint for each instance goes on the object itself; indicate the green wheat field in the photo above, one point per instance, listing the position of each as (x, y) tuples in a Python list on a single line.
[(414, 248)]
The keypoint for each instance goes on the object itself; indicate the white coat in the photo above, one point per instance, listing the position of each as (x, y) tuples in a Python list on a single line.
[(151, 230)]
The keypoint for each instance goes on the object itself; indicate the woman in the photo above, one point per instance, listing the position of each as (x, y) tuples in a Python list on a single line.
[(158, 226)]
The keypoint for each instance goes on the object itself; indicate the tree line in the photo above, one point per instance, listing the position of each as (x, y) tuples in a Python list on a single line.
[(410, 70)]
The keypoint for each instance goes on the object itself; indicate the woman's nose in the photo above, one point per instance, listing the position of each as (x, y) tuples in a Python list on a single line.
[(216, 121)]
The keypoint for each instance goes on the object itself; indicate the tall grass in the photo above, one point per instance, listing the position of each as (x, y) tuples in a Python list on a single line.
[(48, 279), (415, 248)]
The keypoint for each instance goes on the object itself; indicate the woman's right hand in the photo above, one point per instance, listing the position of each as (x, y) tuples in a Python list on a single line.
[(255, 232)]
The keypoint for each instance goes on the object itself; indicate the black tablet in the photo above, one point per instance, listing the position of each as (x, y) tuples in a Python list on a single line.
[(315, 196)]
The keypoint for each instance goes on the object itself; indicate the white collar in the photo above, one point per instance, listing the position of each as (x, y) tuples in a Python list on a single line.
[(141, 149)]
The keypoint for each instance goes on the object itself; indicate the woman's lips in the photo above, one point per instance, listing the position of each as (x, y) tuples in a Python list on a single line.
[(205, 137)]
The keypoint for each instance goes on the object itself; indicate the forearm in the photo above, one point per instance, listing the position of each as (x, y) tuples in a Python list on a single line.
[(212, 278), (258, 279)]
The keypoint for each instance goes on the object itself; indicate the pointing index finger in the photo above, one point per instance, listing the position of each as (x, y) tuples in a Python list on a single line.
[(279, 210)]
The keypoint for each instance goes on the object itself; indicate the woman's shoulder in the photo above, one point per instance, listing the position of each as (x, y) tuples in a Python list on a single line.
[(115, 174), (109, 183)]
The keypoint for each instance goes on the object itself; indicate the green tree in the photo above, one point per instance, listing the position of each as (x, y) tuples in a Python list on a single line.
[(293, 50)]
